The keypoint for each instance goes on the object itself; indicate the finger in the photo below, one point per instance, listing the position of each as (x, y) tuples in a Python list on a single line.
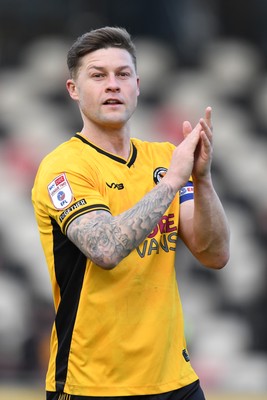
[(187, 128), (206, 128), (208, 112), (206, 143)]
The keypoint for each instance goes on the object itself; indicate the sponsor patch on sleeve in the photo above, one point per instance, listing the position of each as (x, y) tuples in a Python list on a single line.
[(60, 192), (186, 192)]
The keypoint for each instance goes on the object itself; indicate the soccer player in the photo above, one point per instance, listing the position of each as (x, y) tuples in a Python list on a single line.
[(110, 209)]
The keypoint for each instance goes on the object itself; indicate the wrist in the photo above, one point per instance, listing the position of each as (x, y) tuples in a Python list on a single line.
[(173, 183), (202, 179), (203, 185)]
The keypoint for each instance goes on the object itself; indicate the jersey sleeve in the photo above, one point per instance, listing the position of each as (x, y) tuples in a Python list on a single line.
[(64, 194)]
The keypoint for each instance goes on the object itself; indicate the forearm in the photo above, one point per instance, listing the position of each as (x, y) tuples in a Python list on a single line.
[(210, 226), (106, 240)]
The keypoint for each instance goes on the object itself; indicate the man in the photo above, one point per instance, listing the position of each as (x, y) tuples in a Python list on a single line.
[(109, 210)]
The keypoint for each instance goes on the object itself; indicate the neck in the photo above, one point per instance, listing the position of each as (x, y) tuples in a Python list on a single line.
[(112, 140)]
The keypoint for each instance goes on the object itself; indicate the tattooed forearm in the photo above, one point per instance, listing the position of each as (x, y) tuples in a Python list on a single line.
[(106, 240)]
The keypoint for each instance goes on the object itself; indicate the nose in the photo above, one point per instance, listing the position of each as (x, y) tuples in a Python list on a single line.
[(112, 84)]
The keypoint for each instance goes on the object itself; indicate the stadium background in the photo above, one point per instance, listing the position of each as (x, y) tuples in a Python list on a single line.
[(191, 53)]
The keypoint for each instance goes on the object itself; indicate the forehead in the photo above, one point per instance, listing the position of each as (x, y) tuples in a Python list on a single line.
[(111, 57)]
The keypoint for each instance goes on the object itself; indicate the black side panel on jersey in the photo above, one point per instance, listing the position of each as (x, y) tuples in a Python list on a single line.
[(70, 264)]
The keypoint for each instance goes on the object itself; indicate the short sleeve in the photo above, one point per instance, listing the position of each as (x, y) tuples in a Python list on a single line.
[(64, 193)]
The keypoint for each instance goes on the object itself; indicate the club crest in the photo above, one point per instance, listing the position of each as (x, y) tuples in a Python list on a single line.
[(158, 174)]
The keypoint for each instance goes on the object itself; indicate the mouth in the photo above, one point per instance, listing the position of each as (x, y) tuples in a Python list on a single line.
[(112, 102)]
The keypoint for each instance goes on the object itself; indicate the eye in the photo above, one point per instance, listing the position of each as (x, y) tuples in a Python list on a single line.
[(98, 75), (124, 74)]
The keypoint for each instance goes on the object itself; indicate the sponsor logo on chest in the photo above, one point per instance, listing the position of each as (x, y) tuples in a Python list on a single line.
[(114, 185)]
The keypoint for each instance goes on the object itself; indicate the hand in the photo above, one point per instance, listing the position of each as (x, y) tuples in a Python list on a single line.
[(203, 152), (183, 159)]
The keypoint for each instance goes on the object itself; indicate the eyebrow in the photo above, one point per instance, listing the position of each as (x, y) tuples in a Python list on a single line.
[(103, 68)]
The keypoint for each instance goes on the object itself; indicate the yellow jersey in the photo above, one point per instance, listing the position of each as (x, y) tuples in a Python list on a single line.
[(116, 332)]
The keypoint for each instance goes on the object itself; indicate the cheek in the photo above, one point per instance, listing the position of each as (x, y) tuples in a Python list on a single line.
[(134, 93), (87, 98)]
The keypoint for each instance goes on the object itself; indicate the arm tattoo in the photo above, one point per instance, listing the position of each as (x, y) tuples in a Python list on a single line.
[(106, 240)]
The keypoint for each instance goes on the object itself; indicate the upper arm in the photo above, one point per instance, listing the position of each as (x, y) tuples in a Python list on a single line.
[(79, 205), (70, 191), (98, 236), (186, 222), (186, 214)]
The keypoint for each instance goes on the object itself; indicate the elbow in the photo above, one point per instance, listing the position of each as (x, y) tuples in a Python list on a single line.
[(106, 260), (107, 263), (224, 260), (108, 266), (215, 256), (220, 263), (217, 261), (110, 261)]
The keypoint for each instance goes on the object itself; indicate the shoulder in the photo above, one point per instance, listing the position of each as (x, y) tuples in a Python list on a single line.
[(71, 148), (69, 155), (69, 159), (153, 146)]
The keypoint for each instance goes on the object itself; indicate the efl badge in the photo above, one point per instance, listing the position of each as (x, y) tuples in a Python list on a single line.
[(60, 192)]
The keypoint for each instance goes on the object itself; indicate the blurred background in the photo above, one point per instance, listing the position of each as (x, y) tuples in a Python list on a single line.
[(191, 53)]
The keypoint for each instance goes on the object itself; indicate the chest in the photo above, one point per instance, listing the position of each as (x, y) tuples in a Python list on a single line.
[(124, 186)]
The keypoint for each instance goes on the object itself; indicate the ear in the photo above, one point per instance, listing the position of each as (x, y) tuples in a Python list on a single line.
[(72, 89), (138, 85)]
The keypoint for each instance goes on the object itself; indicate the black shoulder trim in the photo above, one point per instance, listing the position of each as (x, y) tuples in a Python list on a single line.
[(84, 210)]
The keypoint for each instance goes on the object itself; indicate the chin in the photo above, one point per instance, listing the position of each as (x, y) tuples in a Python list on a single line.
[(115, 122)]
